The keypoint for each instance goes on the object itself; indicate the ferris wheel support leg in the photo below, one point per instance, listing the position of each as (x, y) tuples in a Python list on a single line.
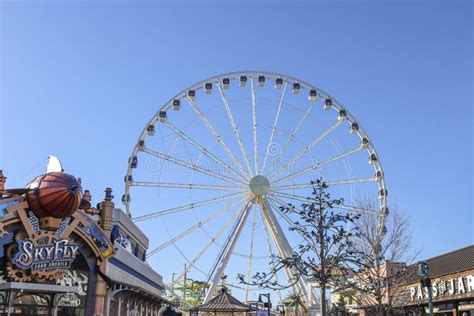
[(227, 252), (282, 244)]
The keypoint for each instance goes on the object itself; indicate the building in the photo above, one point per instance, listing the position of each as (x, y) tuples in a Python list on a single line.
[(452, 279), (134, 287), (60, 256), (452, 282), (356, 302)]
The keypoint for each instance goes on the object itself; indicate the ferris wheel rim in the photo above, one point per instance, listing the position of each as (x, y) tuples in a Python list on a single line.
[(336, 105)]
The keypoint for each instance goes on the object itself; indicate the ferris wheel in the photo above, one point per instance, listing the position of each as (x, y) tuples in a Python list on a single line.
[(212, 167)]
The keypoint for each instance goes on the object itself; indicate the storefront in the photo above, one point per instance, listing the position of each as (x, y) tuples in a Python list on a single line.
[(50, 250), (452, 279), (60, 256), (134, 288)]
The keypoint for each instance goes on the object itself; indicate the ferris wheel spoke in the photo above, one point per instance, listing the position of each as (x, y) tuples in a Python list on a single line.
[(206, 247), (329, 183), (289, 196), (191, 186), (191, 166), (235, 130), (187, 260), (249, 270), (254, 119), (292, 136), (319, 165), (192, 228), (216, 135), (339, 206), (281, 242), (203, 150), (277, 116), (185, 207), (356, 209), (278, 203), (286, 217), (306, 149)]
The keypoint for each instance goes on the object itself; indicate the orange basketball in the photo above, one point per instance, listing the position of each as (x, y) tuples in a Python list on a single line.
[(54, 194)]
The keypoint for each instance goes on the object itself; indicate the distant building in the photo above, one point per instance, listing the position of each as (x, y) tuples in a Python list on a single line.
[(359, 303)]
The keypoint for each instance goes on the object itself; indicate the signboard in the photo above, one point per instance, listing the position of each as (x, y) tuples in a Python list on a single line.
[(59, 254), (460, 285)]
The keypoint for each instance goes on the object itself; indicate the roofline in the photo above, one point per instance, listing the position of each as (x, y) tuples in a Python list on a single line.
[(436, 257), (448, 253)]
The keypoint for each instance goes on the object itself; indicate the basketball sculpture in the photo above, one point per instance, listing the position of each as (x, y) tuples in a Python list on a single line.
[(54, 194)]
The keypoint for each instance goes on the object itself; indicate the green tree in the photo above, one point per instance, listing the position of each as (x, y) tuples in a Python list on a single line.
[(339, 309)]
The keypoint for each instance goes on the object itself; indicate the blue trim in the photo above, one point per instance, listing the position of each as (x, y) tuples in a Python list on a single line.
[(136, 274)]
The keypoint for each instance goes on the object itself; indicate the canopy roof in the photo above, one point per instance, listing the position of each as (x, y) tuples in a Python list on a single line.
[(223, 302)]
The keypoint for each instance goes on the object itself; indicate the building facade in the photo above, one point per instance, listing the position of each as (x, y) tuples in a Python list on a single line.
[(134, 287), (60, 256), (452, 284)]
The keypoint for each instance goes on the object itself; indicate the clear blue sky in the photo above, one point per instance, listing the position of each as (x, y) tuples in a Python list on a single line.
[(80, 80)]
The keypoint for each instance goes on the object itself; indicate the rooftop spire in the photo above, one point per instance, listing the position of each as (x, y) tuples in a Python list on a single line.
[(3, 179)]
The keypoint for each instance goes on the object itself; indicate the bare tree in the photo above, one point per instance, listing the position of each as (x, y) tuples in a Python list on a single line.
[(327, 249), (388, 250)]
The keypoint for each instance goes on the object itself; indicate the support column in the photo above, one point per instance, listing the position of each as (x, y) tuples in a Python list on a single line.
[(282, 245), (11, 296), (106, 209), (54, 302), (119, 304), (3, 179), (228, 250)]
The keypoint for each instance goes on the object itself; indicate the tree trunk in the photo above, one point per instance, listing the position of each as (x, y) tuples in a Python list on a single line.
[(322, 298), (380, 304)]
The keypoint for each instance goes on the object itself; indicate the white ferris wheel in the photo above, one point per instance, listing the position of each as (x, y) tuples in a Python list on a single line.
[(211, 168)]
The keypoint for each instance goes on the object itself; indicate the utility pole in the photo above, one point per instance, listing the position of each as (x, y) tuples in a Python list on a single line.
[(425, 280)]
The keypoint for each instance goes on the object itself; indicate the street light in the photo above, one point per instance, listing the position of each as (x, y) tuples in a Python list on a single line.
[(423, 273), (267, 304), (281, 309), (251, 304)]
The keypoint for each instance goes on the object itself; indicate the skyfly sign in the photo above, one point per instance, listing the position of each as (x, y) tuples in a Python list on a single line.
[(59, 254)]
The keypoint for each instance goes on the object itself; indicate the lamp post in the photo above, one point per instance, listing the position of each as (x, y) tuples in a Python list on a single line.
[(256, 307), (267, 304), (423, 273), (281, 309)]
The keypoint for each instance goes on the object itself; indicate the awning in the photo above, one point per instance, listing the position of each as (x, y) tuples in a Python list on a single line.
[(38, 287)]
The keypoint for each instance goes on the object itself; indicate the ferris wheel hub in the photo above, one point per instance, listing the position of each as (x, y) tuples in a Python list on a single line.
[(259, 185)]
